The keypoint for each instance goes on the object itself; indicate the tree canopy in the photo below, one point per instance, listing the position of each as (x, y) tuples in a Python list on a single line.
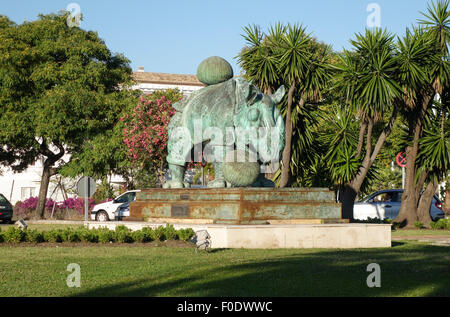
[(60, 86)]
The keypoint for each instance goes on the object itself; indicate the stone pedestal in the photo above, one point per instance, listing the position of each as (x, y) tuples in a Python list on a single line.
[(237, 206), (296, 236)]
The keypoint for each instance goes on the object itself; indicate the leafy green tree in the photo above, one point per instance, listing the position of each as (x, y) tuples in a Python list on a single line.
[(105, 154), (59, 88), (132, 153)]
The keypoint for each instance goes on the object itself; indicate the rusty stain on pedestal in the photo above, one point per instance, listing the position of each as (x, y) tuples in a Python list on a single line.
[(237, 205)]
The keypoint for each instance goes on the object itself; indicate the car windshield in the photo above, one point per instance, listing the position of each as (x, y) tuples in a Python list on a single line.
[(364, 198), (3, 199), (385, 196), (125, 198)]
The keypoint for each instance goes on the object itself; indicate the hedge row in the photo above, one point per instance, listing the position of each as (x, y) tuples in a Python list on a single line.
[(121, 234), (440, 224)]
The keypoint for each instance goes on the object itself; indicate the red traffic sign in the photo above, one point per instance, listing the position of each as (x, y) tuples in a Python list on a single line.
[(401, 159)]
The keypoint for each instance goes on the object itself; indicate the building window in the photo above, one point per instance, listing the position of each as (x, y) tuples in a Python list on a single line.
[(27, 192)]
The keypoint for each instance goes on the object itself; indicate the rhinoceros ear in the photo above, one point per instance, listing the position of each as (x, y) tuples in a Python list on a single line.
[(278, 95), (252, 94)]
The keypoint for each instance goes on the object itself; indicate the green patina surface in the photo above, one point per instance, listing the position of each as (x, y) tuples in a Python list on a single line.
[(212, 115), (235, 194), (214, 70), (207, 117)]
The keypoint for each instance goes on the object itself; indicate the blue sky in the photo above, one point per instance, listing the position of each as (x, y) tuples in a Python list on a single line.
[(175, 36)]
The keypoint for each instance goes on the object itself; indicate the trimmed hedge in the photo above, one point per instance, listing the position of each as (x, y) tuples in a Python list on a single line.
[(440, 224), (121, 234)]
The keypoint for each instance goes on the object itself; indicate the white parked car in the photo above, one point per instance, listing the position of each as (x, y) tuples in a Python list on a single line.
[(107, 211), (386, 204)]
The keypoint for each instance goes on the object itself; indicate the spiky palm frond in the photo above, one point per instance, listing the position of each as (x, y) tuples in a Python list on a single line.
[(367, 76), (438, 22)]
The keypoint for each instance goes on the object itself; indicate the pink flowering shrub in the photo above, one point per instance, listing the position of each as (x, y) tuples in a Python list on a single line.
[(29, 203), (145, 130), (77, 204), (26, 208)]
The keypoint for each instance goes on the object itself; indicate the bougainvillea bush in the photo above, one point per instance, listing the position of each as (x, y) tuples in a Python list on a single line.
[(75, 206)]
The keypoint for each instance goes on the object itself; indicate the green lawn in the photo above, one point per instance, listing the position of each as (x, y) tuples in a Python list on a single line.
[(420, 232), (44, 227), (407, 269)]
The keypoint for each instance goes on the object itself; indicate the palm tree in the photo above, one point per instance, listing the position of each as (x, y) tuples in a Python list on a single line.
[(433, 158), (259, 57), (366, 80), (304, 65), (424, 67), (287, 55)]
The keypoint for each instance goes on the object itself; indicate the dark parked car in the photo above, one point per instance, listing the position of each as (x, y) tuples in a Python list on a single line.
[(6, 210)]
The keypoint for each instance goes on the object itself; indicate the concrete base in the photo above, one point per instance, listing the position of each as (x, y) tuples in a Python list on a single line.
[(345, 236)]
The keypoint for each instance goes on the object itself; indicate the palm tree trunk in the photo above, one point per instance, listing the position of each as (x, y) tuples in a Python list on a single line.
[(408, 210), (351, 190), (362, 132), (423, 210), (286, 159)]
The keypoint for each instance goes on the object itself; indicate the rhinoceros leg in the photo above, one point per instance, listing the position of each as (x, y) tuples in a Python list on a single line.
[(219, 180), (179, 147), (177, 173)]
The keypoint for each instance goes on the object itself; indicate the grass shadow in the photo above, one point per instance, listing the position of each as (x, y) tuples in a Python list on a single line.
[(407, 270)]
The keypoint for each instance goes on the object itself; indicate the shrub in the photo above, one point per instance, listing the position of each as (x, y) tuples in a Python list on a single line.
[(123, 234), (160, 233), (14, 235), (373, 220), (70, 235), (105, 235), (185, 234), (138, 236), (418, 224), (87, 235), (77, 203), (34, 236), (29, 203), (440, 224), (170, 232), (53, 236), (149, 234)]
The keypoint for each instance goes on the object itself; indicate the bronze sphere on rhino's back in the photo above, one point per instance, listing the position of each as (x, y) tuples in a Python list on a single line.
[(214, 70)]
